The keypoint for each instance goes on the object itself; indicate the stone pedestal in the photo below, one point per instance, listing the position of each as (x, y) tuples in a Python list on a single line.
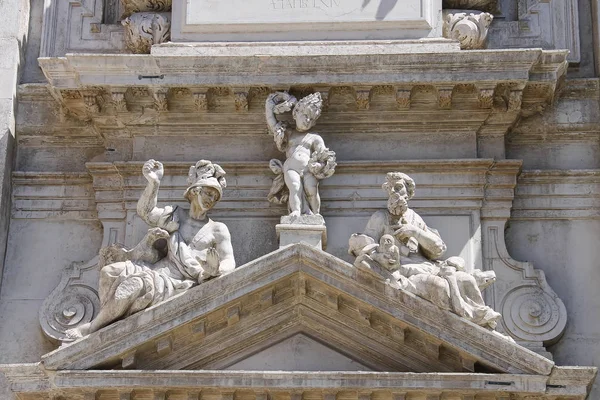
[(309, 229)]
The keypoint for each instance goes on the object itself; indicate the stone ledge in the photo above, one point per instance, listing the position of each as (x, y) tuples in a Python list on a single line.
[(308, 63), (557, 194), (570, 383)]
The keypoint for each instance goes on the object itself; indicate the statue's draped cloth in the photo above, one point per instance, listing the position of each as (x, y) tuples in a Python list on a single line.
[(176, 272), (427, 277)]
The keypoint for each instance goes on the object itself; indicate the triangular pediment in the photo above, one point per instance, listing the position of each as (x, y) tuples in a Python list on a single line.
[(297, 292)]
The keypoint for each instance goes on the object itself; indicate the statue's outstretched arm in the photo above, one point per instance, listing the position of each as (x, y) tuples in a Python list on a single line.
[(146, 207)]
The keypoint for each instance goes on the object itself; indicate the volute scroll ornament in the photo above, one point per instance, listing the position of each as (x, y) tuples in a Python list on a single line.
[(144, 29), (470, 28), (71, 303)]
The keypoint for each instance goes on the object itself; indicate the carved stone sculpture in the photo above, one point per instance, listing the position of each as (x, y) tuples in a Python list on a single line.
[(144, 29), (470, 28), (133, 6), (181, 250), (307, 159), (398, 243)]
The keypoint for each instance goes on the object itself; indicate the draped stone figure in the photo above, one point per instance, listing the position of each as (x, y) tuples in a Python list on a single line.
[(181, 250), (398, 241), (307, 159)]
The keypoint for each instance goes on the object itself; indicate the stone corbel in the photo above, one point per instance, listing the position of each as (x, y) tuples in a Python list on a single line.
[(161, 102), (470, 28), (118, 100), (90, 100), (240, 97), (532, 312), (403, 98), (200, 100), (363, 98), (445, 97), (144, 29), (486, 97)]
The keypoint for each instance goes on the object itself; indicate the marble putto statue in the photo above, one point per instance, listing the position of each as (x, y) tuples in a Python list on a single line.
[(181, 250), (398, 241), (307, 159)]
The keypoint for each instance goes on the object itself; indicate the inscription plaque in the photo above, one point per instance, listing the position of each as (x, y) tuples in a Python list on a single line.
[(265, 20)]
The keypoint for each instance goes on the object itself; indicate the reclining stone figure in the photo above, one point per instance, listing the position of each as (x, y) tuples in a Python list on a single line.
[(181, 250), (414, 259)]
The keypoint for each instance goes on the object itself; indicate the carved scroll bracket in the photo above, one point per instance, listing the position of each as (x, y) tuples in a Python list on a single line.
[(533, 314), (75, 300)]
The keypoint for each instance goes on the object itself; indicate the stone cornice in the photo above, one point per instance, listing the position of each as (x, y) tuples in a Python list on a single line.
[(112, 189), (182, 87), (557, 194), (334, 296), (569, 383), (53, 195)]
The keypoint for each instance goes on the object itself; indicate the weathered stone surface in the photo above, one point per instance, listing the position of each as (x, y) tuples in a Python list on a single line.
[(279, 20), (29, 379), (398, 244), (470, 28), (308, 160), (328, 293), (142, 30), (179, 251)]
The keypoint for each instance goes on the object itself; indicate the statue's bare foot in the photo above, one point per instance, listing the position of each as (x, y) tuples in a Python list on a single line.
[(79, 332)]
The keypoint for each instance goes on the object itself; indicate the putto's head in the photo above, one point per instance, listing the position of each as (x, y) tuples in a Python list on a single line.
[(307, 111), (206, 183), (400, 188), (386, 241)]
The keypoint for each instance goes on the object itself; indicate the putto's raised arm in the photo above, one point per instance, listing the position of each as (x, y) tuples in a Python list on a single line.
[(278, 103)]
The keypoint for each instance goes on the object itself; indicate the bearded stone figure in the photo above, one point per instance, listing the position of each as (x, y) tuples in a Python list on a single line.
[(181, 250), (416, 265)]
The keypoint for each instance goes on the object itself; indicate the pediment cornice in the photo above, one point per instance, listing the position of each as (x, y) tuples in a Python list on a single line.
[(297, 289), (30, 381)]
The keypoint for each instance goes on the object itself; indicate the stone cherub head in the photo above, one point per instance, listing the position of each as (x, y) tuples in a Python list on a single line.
[(307, 110)]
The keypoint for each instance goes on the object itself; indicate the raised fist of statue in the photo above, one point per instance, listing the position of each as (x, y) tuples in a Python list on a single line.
[(153, 171)]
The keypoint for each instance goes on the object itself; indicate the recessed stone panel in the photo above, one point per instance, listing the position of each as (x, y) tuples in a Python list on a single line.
[(264, 20)]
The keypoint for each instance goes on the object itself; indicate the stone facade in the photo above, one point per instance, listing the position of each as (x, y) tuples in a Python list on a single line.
[(492, 107)]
